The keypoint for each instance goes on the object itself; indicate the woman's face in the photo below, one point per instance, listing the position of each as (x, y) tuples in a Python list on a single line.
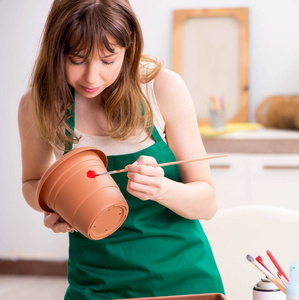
[(90, 77)]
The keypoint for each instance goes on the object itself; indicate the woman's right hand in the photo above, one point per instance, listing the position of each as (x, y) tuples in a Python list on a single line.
[(53, 221)]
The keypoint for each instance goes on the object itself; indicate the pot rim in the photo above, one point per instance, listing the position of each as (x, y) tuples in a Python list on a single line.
[(60, 161)]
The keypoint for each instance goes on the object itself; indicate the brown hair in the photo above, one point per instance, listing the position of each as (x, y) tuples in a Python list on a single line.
[(76, 26)]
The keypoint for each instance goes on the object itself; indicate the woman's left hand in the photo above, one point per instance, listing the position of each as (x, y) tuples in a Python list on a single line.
[(145, 181)]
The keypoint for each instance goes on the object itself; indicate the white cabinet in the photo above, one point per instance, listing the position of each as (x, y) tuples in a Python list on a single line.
[(275, 180), (231, 180), (267, 179)]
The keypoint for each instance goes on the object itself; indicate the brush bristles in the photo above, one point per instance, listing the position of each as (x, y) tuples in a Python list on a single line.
[(250, 258)]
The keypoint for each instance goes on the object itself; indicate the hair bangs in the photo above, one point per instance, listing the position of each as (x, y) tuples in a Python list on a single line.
[(79, 41), (94, 32)]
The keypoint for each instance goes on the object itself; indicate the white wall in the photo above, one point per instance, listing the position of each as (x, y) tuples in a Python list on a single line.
[(274, 69)]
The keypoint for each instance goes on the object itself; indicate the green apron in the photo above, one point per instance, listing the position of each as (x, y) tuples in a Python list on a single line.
[(154, 253)]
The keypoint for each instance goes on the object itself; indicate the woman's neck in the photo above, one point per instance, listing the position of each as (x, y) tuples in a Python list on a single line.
[(90, 115)]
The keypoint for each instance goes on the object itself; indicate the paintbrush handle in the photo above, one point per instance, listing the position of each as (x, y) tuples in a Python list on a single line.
[(168, 163), (278, 283), (274, 279), (188, 160), (281, 272)]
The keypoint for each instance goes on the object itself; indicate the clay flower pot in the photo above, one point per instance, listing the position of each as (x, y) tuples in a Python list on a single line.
[(93, 206)]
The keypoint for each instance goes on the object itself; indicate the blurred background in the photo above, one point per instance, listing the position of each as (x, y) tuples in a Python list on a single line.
[(273, 69)]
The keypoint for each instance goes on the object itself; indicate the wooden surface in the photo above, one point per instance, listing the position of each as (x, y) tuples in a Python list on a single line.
[(260, 140), (33, 267), (266, 146)]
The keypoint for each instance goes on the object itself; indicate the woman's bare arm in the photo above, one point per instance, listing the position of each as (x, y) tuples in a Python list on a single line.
[(37, 157), (37, 154), (194, 198)]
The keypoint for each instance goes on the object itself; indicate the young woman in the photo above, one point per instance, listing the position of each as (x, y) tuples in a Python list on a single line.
[(91, 86)]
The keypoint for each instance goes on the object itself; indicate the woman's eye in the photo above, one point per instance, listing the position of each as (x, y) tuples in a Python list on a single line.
[(76, 62), (108, 62)]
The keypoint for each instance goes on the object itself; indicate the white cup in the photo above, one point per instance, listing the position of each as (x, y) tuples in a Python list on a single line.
[(217, 119), (267, 290)]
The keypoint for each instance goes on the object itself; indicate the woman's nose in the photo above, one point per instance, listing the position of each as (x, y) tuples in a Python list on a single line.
[(92, 74)]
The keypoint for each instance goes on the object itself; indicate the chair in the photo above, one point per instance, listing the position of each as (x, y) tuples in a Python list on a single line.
[(235, 232)]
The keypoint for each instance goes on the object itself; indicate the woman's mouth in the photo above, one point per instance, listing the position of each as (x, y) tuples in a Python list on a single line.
[(90, 90)]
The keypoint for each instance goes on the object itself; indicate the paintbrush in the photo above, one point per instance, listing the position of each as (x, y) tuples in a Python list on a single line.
[(92, 174), (279, 269), (261, 262), (274, 279)]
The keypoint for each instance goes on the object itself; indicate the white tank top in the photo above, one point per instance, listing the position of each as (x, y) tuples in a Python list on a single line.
[(117, 147)]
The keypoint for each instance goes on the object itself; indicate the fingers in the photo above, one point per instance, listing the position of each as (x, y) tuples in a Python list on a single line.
[(144, 165), (146, 160), (146, 175), (141, 192), (56, 223), (145, 180), (143, 171)]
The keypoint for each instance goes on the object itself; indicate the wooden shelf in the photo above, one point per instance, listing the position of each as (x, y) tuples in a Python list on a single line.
[(267, 146)]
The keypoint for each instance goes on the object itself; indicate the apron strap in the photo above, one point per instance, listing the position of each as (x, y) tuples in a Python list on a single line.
[(156, 135)]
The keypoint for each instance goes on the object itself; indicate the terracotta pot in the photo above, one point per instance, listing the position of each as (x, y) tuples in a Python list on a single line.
[(93, 206)]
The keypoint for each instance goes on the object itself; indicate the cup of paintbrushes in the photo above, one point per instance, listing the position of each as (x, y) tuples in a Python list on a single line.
[(217, 120), (217, 113)]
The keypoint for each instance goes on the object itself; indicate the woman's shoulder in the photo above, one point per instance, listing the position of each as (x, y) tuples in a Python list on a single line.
[(167, 76), (25, 116), (24, 104), (152, 69), (169, 85), (172, 94)]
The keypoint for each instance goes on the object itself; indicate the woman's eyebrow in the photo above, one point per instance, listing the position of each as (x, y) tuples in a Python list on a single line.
[(109, 55), (77, 55), (104, 56)]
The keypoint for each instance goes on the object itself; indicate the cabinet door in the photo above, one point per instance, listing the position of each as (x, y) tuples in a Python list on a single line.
[(274, 179), (230, 177)]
